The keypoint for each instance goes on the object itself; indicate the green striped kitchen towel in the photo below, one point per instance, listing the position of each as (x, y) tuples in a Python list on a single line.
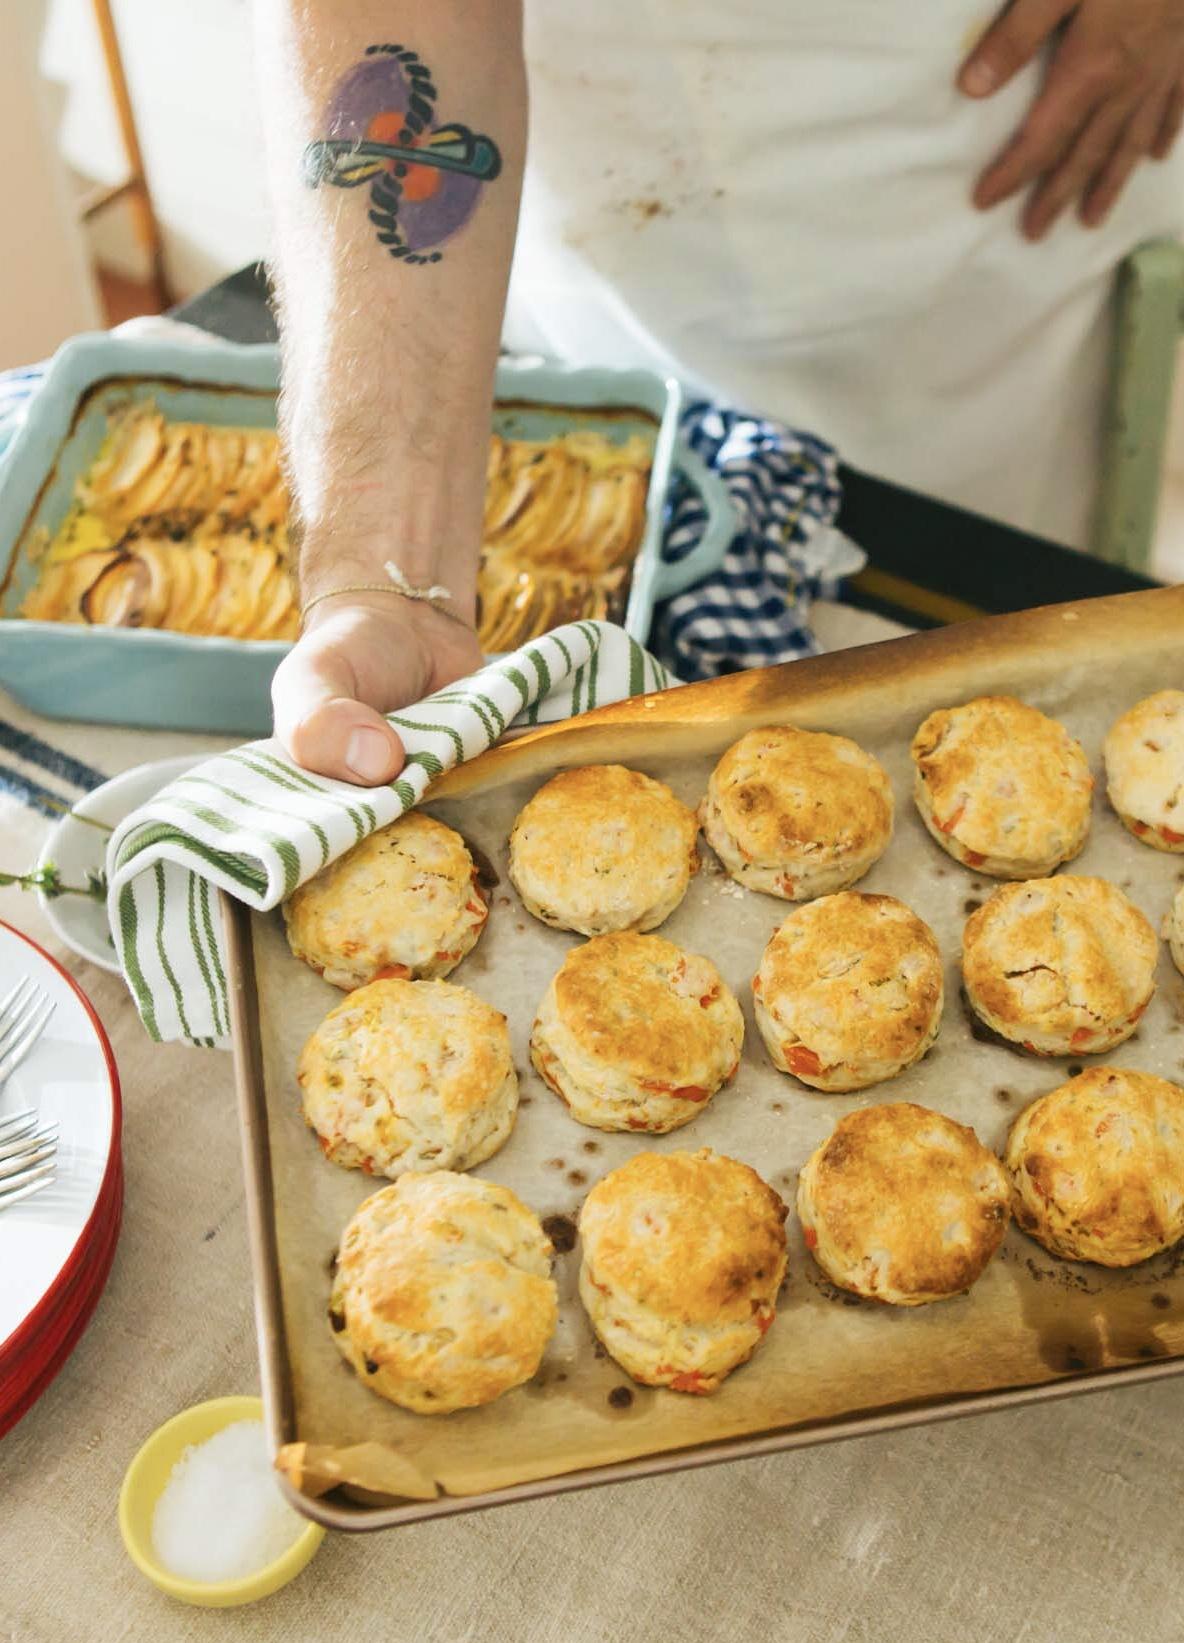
[(253, 823)]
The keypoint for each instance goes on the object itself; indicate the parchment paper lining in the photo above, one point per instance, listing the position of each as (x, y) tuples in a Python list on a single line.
[(1029, 1320)]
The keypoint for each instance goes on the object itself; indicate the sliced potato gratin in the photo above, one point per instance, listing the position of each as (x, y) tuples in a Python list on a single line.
[(184, 526)]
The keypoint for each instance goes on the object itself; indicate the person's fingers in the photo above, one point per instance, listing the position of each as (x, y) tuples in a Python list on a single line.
[(1170, 123), (1012, 41), (323, 726), (1027, 156), (1133, 146), (1091, 153), (1054, 123)]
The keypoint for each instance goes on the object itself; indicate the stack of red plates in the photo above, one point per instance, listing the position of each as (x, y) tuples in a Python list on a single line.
[(56, 1246)]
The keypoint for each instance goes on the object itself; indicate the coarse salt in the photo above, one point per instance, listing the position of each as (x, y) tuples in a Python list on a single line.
[(221, 1515)]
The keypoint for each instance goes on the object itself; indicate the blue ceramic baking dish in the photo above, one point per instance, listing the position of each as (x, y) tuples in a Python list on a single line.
[(139, 676)]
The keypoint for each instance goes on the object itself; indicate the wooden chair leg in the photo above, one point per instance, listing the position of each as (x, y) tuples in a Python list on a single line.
[(136, 188), (1150, 301)]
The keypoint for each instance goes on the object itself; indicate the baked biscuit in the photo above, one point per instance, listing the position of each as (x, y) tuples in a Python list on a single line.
[(1063, 966), (683, 1255), (603, 848), (404, 902), (902, 1204), (797, 813), (635, 1034), (849, 991), (1144, 757), (443, 1296), (409, 1075), (1097, 1167), (1003, 788)]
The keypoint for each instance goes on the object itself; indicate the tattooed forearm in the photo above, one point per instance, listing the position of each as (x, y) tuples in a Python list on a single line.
[(388, 380), (425, 178)]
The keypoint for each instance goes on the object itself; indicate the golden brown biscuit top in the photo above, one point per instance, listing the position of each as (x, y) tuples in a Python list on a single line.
[(415, 857), (1144, 755), (638, 1001), (1067, 952), (692, 1235), (600, 820), (408, 1036), (1003, 778), (448, 1255), (912, 1189), (779, 790), (1108, 1147), (853, 971)]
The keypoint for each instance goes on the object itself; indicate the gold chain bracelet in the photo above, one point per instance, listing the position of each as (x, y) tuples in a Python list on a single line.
[(435, 595)]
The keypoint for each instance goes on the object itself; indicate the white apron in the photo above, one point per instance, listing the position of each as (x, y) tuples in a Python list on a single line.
[(771, 199)]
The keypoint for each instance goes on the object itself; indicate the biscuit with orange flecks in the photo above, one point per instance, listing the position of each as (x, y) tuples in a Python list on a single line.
[(797, 813), (406, 1075), (403, 903), (603, 848), (903, 1205), (635, 1034), (682, 1257), (849, 991), (1003, 788), (442, 1296), (1144, 757), (1097, 1167), (1062, 966)]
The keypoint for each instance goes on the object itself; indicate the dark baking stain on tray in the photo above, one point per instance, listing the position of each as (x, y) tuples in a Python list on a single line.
[(487, 874), (1064, 1275), (1084, 1318), (561, 1230), (987, 1035), (844, 1297)]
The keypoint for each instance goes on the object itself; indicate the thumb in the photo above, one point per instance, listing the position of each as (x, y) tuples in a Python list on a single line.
[(321, 723), (1010, 43)]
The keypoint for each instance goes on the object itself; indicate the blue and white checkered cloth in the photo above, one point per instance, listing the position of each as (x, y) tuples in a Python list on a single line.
[(754, 611), (786, 552)]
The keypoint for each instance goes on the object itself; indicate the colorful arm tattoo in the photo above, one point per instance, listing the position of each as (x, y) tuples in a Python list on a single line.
[(425, 179)]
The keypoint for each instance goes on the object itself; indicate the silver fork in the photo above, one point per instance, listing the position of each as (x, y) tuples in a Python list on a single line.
[(27, 1150), (24, 1015), (27, 1147)]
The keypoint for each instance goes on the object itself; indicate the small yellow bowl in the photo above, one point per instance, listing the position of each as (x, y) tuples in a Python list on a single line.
[(144, 1483)]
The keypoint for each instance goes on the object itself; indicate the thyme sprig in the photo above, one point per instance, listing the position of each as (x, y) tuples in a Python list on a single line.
[(48, 879)]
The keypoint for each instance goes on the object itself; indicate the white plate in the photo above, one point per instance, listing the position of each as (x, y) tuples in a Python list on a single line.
[(69, 1075), (75, 848)]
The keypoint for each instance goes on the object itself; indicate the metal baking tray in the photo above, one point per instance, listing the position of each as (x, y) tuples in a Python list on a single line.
[(832, 1366), (151, 677)]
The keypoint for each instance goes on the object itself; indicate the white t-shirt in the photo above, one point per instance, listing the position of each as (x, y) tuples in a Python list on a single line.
[(771, 199)]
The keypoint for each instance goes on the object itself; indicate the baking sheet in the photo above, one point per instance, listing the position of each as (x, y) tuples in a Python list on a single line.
[(1031, 1319)]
